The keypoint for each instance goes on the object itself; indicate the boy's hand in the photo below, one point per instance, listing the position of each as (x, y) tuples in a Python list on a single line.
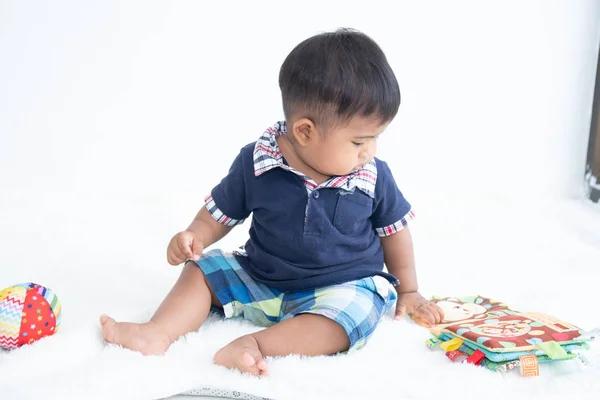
[(421, 310), (184, 246)]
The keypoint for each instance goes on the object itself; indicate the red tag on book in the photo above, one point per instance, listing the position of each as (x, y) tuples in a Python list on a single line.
[(476, 358), (456, 356)]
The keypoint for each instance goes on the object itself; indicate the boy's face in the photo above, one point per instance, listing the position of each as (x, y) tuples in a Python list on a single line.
[(344, 149)]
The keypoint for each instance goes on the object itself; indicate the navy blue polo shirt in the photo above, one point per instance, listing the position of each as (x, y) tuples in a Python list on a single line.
[(305, 235)]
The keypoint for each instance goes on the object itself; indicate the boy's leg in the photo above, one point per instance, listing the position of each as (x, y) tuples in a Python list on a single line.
[(305, 334), (325, 321), (183, 310)]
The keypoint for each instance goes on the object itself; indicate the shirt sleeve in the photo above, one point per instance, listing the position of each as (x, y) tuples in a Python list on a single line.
[(392, 211), (227, 201)]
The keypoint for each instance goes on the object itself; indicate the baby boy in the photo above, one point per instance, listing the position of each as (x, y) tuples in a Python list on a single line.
[(326, 216)]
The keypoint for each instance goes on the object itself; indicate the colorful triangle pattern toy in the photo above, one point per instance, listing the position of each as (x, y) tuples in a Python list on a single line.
[(485, 332), (28, 312)]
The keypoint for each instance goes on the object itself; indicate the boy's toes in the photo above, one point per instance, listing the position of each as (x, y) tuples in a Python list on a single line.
[(108, 325), (243, 354), (247, 361), (105, 318), (254, 363), (263, 367)]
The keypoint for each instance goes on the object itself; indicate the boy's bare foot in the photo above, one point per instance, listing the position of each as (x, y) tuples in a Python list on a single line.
[(243, 354), (146, 338)]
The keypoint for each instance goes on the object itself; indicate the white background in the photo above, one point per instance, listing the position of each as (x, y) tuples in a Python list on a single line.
[(113, 97)]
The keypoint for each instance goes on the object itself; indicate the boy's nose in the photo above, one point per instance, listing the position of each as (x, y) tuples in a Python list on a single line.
[(373, 148), (369, 152)]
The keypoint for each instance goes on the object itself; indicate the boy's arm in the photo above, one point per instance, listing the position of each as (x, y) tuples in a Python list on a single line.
[(390, 218), (224, 208), (202, 232), (207, 229), (400, 260)]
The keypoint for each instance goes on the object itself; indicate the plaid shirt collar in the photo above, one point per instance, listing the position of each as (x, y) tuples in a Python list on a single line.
[(268, 156)]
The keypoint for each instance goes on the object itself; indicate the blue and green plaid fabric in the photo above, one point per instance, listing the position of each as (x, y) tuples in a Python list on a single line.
[(357, 306)]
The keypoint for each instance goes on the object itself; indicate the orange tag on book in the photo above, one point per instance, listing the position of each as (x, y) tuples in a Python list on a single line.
[(529, 366)]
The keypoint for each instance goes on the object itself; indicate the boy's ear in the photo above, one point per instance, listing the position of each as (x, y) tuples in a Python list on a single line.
[(304, 131)]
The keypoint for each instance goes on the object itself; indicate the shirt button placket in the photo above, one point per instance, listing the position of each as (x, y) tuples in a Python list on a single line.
[(315, 195)]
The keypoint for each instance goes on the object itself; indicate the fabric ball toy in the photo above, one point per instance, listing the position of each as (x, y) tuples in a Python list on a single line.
[(28, 312)]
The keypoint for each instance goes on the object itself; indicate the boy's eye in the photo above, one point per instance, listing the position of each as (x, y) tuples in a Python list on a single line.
[(357, 144)]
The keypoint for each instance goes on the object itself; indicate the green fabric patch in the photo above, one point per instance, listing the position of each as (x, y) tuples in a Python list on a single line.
[(553, 350)]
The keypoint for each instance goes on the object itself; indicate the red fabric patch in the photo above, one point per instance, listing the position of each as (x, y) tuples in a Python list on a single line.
[(560, 336), (456, 356), (476, 358), (37, 320)]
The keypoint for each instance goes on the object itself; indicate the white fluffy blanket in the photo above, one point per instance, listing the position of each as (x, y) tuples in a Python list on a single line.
[(543, 259)]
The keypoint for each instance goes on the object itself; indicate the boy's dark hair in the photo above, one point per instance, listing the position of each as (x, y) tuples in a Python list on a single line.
[(334, 76)]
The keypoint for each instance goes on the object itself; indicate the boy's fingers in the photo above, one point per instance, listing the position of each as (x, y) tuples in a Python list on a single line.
[(436, 314), (196, 250), (426, 315), (184, 245), (171, 258), (177, 252), (400, 311), (421, 322), (430, 318), (439, 310)]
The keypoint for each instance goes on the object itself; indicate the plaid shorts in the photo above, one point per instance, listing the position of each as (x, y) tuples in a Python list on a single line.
[(357, 306)]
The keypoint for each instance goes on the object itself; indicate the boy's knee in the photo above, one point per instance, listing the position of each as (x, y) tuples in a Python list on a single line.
[(191, 268)]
